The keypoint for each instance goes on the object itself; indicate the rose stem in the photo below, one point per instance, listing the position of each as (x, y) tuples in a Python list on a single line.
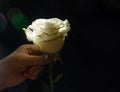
[(51, 77)]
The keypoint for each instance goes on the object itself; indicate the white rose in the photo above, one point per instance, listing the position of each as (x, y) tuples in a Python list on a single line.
[(48, 34)]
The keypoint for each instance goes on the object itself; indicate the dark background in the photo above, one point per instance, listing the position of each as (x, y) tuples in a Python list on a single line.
[(91, 52)]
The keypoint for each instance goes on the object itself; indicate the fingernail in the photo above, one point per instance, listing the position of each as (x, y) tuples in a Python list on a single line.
[(46, 56)]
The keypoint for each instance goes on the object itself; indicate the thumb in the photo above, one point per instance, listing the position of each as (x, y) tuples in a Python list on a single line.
[(38, 60)]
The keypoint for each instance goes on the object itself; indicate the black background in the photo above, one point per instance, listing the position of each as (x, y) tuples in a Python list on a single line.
[(91, 52)]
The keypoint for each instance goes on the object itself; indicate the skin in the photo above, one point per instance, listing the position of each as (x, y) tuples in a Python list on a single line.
[(26, 62)]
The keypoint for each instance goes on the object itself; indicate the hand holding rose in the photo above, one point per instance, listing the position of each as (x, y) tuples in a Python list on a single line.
[(24, 63), (29, 60)]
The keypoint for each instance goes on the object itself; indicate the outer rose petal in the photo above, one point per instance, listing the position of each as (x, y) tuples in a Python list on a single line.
[(29, 34), (51, 46)]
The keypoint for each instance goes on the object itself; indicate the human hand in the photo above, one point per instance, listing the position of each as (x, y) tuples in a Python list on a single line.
[(26, 62)]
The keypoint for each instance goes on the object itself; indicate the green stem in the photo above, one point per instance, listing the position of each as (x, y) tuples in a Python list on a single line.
[(51, 77)]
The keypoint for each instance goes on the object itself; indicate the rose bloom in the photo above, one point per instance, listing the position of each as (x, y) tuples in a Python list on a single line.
[(48, 34)]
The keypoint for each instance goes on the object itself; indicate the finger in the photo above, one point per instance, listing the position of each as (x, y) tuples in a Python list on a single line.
[(37, 60), (33, 71), (31, 49)]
